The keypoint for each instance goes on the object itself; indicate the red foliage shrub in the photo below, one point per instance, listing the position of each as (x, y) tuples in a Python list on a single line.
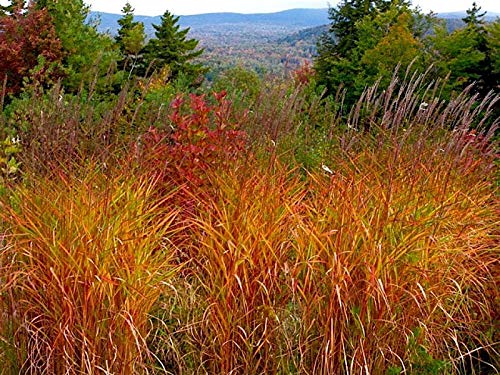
[(303, 74), (200, 136), (27, 38)]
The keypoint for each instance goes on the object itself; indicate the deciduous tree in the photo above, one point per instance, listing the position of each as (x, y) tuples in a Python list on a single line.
[(466, 54), (29, 47), (396, 46), (366, 41)]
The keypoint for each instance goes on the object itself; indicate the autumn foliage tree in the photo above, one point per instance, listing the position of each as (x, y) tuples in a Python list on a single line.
[(367, 40), (394, 43), (29, 47)]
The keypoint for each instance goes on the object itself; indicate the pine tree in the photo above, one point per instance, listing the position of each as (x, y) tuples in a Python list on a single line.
[(171, 48), (474, 17), (343, 34), (484, 70), (333, 63), (358, 49), (88, 55), (130, 39), (466, 54), (493, 41), (126, 24)]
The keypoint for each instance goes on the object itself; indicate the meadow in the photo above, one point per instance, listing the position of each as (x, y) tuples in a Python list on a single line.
[(262, 231)]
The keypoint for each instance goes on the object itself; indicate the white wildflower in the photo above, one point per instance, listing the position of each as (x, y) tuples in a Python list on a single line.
[(326, 169)]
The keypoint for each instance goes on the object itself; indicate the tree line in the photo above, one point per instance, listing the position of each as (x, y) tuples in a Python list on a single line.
[(43, 41), (368, 39)]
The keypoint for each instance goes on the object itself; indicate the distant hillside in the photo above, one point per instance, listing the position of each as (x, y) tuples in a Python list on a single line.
[(454, 19), (309, 35), (490, 16), (292, 19), (108, 22), (267, 42)]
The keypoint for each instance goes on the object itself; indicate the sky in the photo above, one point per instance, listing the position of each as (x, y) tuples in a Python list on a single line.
[(185, 7)]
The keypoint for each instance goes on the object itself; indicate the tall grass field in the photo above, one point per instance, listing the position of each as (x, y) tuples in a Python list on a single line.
[(274, 234)]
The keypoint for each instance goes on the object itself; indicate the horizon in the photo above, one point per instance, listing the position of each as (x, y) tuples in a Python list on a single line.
[(488, 12), (192, 7)]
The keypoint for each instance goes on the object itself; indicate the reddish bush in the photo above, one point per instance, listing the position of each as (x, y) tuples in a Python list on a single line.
[(304, 74), (200, 136), (28, 40)]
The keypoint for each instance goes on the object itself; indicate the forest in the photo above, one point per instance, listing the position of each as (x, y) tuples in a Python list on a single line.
[(162, 216)]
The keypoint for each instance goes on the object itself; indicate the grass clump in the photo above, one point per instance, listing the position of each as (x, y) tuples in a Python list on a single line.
[(83, 261)]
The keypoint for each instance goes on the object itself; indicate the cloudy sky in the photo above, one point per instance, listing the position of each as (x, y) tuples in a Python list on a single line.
[(184, 7)]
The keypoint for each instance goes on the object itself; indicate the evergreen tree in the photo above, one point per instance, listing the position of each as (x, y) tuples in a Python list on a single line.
[(88, 55), (171, 48), (466, 54), (343, 33), (126, 23), (474, 17), (366, 41), (130, 39), (493, 41), (333, 64), (475, 23)]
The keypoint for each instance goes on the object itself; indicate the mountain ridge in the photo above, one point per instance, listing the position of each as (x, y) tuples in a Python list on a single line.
[(292, 19)]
